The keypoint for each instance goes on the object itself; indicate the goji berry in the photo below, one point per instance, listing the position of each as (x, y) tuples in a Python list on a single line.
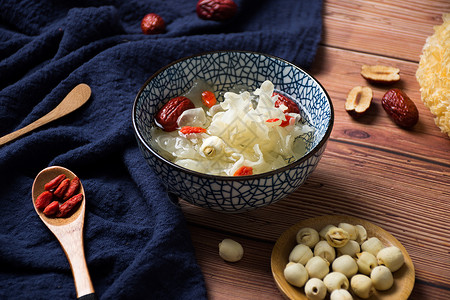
[(52, 208), (244, 170), (208, 98), (292, 107), (67, 207), (43, 200), (286, 122), (53, 184), (283, 123), (190, 129), (62, 187), (72, 189), (272, 120)]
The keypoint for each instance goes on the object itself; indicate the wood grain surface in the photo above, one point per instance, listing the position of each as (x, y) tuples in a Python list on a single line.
[(396, 179)]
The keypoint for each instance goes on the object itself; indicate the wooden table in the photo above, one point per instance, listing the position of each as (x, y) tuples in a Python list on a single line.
[(372, 169)]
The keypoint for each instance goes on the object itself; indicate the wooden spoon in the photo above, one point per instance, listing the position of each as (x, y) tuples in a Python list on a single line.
[(68, 231), (75, 99)]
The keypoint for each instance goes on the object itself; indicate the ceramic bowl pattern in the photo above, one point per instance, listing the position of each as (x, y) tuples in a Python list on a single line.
[(226, 69)]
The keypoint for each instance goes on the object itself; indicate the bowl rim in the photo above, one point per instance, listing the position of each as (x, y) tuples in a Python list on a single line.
[(226, 177)]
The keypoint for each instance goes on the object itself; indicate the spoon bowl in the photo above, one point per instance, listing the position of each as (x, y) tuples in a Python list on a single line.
[(38, 187), (68, 231)]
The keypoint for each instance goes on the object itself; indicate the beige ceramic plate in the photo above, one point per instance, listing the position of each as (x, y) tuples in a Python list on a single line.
[(403, 278)]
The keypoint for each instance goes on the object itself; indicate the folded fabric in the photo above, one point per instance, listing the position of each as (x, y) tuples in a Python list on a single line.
[(137, 242)]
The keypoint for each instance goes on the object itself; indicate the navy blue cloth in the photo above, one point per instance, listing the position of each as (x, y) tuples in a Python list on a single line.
[(137, 242)]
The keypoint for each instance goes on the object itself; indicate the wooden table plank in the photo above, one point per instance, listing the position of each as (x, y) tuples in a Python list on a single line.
[(389, 28)]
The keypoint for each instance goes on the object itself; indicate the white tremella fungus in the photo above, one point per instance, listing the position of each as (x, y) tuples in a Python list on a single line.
[(362, 286), (346, 265), (351, 230), (324, 250), (341, 295), (336, 281), (296, 274), (315, 289), (317, 267), (391, 257), (230, 250), (382, 278), (307, 236), (351, 248), (300, 254), (372, 245), (366, 261)]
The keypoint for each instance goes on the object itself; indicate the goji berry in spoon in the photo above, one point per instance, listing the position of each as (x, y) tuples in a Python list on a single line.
[(72, 189), (52, 208), (61, 189), (67, 207), (43, 200), (53, 184)]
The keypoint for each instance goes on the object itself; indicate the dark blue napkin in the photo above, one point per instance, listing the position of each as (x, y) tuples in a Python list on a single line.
[(136, 240)]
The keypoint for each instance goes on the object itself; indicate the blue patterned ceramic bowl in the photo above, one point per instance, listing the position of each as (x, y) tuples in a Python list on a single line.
[(226, 69)]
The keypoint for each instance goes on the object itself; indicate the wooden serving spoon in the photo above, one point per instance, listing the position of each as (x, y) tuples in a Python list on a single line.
[(68, 231), (74, 99)]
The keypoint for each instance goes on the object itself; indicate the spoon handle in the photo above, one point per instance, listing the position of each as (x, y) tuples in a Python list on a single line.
[(76, 98), (71, 239)]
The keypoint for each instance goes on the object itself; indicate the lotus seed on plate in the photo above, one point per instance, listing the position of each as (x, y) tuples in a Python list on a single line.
[(372, 245), (366, 261), (301, 254), (346, 265), (362, 234), (382, 278), (296, 274), (341, 295), (324, 230), (362, 286), (317, 267), (335, 281), (337, 237), (315, 289), (351, 248), (307, 236), (391, 257), (351, 230), (324, 250)]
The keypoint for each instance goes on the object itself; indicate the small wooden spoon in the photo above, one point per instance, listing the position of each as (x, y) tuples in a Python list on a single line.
[(75, 99), (68, 231)]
